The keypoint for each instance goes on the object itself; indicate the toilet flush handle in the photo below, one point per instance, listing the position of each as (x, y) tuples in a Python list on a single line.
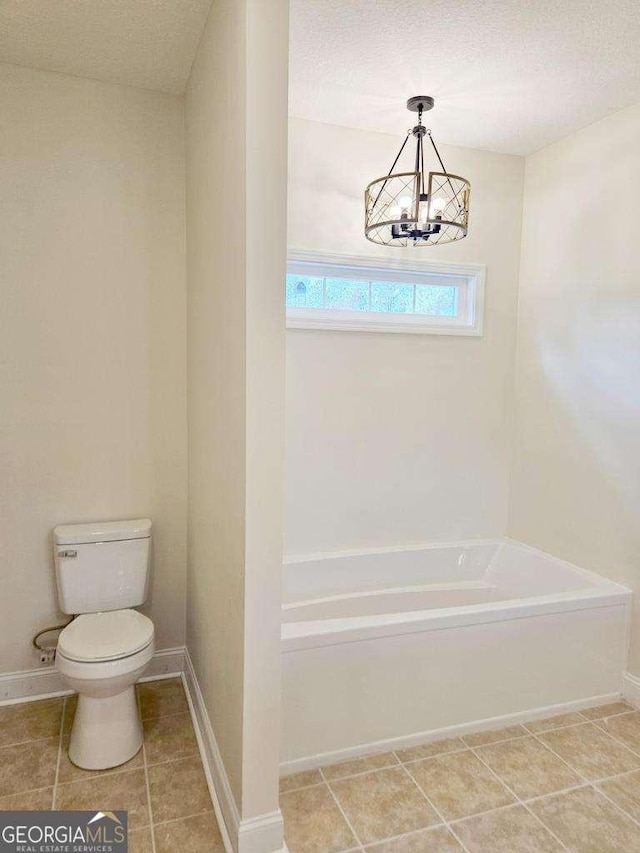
[(69, 554)]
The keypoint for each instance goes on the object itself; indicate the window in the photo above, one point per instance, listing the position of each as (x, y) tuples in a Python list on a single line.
[(381, 295)]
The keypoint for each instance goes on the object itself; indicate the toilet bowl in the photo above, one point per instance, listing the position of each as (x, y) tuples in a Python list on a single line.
[(101, 573), (101, 656)]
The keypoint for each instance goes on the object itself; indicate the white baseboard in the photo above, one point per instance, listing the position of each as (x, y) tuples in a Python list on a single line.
[(45, 683), (323, 759), (165, 664), (215, 772), (631, 689), (262, 834), (30, 684)]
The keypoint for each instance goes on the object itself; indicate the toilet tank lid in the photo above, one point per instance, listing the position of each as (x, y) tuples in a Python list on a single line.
[(101, 531)]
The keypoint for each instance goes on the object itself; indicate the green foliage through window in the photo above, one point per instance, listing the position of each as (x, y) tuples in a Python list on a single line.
[(346, 294)]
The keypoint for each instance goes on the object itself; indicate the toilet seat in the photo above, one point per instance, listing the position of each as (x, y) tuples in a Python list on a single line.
[(108, 636)]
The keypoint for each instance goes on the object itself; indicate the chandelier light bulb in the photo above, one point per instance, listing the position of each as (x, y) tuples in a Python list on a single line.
[(438, 205), (394, 211), (406, 202)]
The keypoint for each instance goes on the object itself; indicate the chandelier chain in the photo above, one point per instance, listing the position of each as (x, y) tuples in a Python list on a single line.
[(444, 168), (393, 165)]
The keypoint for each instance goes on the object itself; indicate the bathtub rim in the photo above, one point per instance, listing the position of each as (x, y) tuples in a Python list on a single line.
[(602, 592), (297, 636)]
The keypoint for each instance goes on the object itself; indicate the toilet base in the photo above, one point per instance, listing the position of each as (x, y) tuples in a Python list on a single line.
[(106, 730)]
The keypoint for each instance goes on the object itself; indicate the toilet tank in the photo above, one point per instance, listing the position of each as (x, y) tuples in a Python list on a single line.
[(102, 566)]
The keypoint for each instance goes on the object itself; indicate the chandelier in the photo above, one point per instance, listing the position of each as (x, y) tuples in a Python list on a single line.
[(414, 208)]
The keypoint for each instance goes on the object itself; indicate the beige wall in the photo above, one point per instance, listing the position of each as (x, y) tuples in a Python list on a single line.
[(92, 335), (393, 439), (215, 145), (235, 380), (576, 473), (266, 204)]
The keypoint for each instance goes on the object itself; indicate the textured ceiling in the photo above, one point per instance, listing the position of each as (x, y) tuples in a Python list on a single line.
[(147, 43), (507, 75)]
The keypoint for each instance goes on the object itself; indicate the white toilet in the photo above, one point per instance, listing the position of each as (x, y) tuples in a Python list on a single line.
[(102, 571)]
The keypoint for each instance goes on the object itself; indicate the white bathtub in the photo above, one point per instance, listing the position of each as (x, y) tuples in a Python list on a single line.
[(387, 649)]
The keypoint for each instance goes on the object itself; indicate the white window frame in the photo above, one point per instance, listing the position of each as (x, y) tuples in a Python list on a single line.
[(415, 271)]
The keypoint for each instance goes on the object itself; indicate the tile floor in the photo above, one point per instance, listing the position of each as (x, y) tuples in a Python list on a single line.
[(163, 787), (568, 783)]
